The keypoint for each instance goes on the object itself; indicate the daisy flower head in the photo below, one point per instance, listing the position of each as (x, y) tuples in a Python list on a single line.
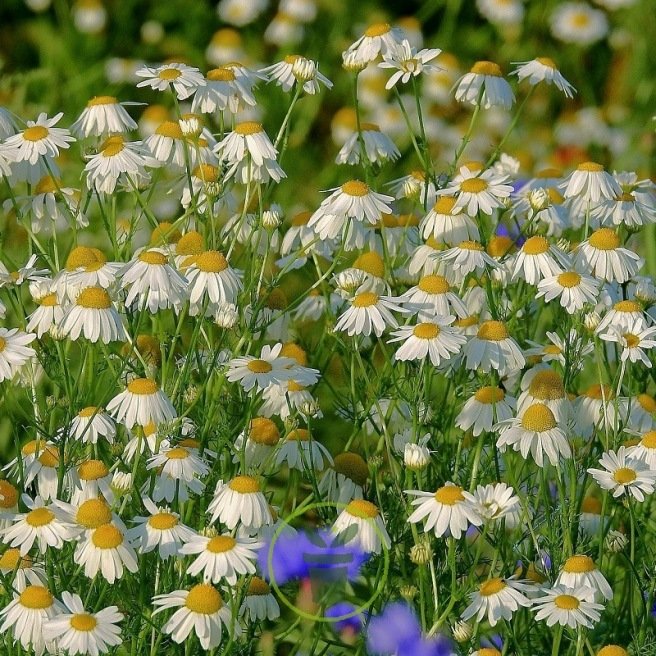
[(536, 432), (117, 159), (270, 368), (106, 550), (202, 610), (91, 479), (223, 90), (537, 259), (48, 314), (257, 443), (93, 316), (591, 183), (301, 451), (361, 525), (629, 209), (142, 402), (578, 23), (465, 258), (92, 423), (635, 342), (566, 606), (408, 63), (493, 348), (259, 603), (103, 116), (542, 384), (624, 474), (183, 79), (295, 69), (478, 192), (221, 557), (645, 449), (640, 413), (240, 501), (448, 511), (378, 147), (596, 409), (603, 256), (8, 503), (502, 12), (486, 407), (211, 280), (14, 351), (378, 39), (622, 317), (543, 69), (21, 571), (580, 570), (497, 501), (485, 84), (180, 469), (573, 289), (167, 146), (345, 480), (80, 632), (434, 339), (432, 297), (40, 462), (369, 313), (498, 599), (447, 222)]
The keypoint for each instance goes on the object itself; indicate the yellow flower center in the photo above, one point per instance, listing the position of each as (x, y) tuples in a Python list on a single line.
[(92, 470), (8, 495), (579, 565), (555, 197), (546, 61), (547, 385), (93, 513), (426, 330), (35, 133), (211, 262), (143, 386), (244, 485), (299, 435), (600, 392), (248, 127), (221, 75), (624, 475), (39, 517), (12, 558), (89, 411), (591, 167), (355, 188), (83, 622), (259, 366), (371, 263), (591, 505), (366, 299), (486, 68), (170, 129), (49, 300), (489, 395), (362, 509), (112, 146), (258, 587), (169, 74), (47, 185), (177, 453), (647, 403), (470, 246), (631, 340), (206, 173), (83, 257), (604, 239), (567, 602), (301, 219), (538, 418), (377, 29), (444, 204), (107, 536), (612, 650), (434, 285), (449, 495), (153, 257), (493, 331), (649, 440), (493, 586), (204, 599), (94, 298), (163, 521), (191, 243), (473, 185), (488, 651), (221, 544), (627, 306), (499, 246), (352, 466), (102, 100), (535, 245), (36, 597), (569, 279), (264, 431)]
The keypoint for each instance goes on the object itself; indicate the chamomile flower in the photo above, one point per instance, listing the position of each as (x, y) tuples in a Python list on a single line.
[(579, 23), (378, 147), (536, 260), (624, 474), (211, 280), (378, 39), (167, 146), (485, 84), (221, 557), (486, 407), (493, 348), (408, 63), (21, 571), (14, 351), (591, 183), (478, 192), (434, 339), (573, 289), (432, 297), (497, 501), (622, 317), (8, 503), (103, 116), (566, 606), (259, 603), (581, 571), (105, 550), (49, 313), (629, 209), (141, 402), (603, 256), (92, 479), (116, 160), (535, 432), (270, 367), (240, 501), (543, 69), (497, 599), (201, 610), (448, 223), (223, 90), (368, 533), (369, 313), (301, 451), (182, 79), (645, 449), (541, 384), (91, 424), (93, 315), (596, 409), (180, 469), (345, 479), (635, 342), (639, 412), (79, 632), (40, 462), (295, 69)]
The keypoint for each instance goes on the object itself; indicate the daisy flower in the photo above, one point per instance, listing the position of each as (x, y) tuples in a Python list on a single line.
[(596, 409), (240, 501), (573, 289), (20, 571), (259, 603), (92, 423), (639, 413), (537, 259), (260, 372), (369, 534), (94, 316), (105, 550), (497, 599), (378, 147), (629, 209), (161, 530), (493, 348), (536, 432), (40, 460), (223, 91), (432, 297), (297, 69), (14, 351), (408, 63), (257, 443), (415, 186), (182, 78), (26, 615), (140, 403), (301, 451), (448, 511), (369, 313), (486, 407), (624, 474), (544, 385), (92, 479), (179, 469), (579, 23), (622, 317), (202, 610), (497, 501), (645, 449), (478, 192), (345, 480), (485, 84), (447, 223), (168, 145), (568, 607), (543, 69), (378, 39), (211, 277), (602, 256), (434, 339), (48, 314), (591, 183), (579, 571), (221, 557), (103, 115), (117, 159), (79, 632), (635, 342)]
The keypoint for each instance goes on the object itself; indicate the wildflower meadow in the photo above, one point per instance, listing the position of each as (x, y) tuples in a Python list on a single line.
[(327, 328)]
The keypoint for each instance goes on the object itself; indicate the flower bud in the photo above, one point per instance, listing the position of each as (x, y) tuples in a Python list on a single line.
[(616, 541), (421, 553), (538, 199), (591, 321), (416, 456), (408, 592), (462, 631)]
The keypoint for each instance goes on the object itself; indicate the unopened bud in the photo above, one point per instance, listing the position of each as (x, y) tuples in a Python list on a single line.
[(616, 541), (462, 631), (421, 553)]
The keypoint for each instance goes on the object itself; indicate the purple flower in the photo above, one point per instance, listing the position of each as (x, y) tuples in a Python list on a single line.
[(353, 623)]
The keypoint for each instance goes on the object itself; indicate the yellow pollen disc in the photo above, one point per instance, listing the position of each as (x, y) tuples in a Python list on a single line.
[(600, 392), (499, 246), (94, 298), (143, 386), (89, 411), (591, 167), (206, 173), (92, 470), (547, 385), (552, 349), (377, 29), (579, 565), (604, 239), (555, 197), (449, 495), (647, 403), (49, 300), (444, 204), (8, 495), (362, 509), (169, 74), (204, 599), (535, 245), (434, 285), (470, 246), (355, 188), (370, 127), (473, 165), (567, 602), (435, 245), (191, 243), (301, 219), (580, 20), (39, 517), (366, 299), (626, 198), (292, 350), (486, 68), (467, 322), (591, 505), (47, 185), (627, 306), (264, 431), (150, 428), (489, 395), (352, 466), (221, 75), (153, 257), (493, 586), (3, 344), (291, 59), (488, 651), (549, 173), (83, 622), (177, 453), (188, 443), (113, 146), (293, 386), (211, 262), (277, 299), (221, 544), (631, 340), (83, 257), (49, 457), (426, 330), (371, 263), (258, 587), (12, 558), (538, 418), (259, 366), (35, 133), (473, 185), (298, 435), (492, 331), (546, 61), (248, 127), (624, 475), (170, 129), (612, 650), (244, 485), (102, 100), (107, 536), (93, 513), (649, 440), (163, 521), (569, 279), (36, 597)]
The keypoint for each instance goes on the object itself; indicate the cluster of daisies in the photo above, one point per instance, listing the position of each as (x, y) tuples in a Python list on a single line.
[(454, 366)]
